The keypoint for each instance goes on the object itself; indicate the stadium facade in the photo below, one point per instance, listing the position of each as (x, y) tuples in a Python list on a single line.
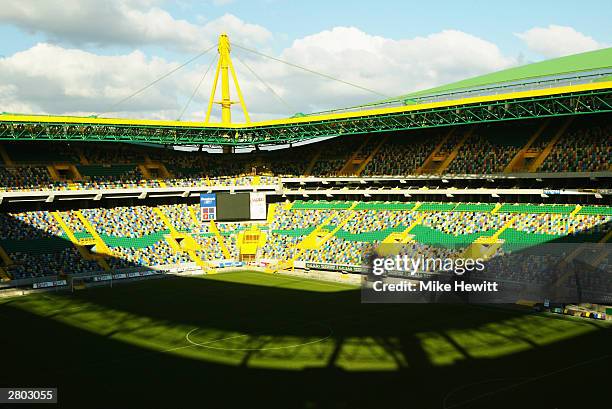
[(512, 158)]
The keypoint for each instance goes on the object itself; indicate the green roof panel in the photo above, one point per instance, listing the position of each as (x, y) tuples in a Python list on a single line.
[(588, 61)]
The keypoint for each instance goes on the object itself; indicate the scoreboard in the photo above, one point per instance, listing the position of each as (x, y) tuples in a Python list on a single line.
[(224, 206), (208, 206)]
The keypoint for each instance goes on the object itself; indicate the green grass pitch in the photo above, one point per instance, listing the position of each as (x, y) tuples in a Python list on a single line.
[(246, 339)]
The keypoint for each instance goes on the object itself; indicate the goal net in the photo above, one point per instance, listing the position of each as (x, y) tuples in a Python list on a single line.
[(82, 282)]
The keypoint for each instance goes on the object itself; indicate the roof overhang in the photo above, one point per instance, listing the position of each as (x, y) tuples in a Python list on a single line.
[(538, 103)]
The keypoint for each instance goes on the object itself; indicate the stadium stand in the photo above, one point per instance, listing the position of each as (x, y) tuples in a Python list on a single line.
[(39, 244), (559, 147), (401, 156), (583, 150), (136, 221)]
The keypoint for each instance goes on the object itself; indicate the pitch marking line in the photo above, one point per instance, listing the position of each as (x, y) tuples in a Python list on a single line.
[(207, 343), (524, 382)]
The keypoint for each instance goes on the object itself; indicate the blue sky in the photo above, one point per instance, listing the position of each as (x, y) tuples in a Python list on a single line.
[(288, 20), (493, 20), (392, 46)]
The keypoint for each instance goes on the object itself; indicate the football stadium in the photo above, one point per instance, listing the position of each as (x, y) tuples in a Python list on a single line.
[(302, 261)]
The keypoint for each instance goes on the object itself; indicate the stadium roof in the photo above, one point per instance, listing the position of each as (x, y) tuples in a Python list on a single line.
[(588, 67), (577, 84), (592, 62)]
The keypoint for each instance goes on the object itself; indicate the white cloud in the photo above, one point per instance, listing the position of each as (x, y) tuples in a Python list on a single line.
[(392, 67), (123, 22), (557, 41), (53, 79)]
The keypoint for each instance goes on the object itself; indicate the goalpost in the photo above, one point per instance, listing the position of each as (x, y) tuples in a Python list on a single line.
[(85, 281)]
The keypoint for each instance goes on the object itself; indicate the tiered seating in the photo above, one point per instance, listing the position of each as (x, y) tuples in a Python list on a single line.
[(26, 178), (199, 228), (211, 249), (160, 253), (230, 242), (280, 246), (375, 220), (40, 152), (489, 150), (531, 208), (179, 216), (49, 262), (583, 150), (112, 177), (437, 207), (289, 162), (334, 155), (558, 224), (321, 205), (480, 156), (136, 221), (74, 223), (295, 219), (113, 154), (464, 223), (596, 210), (401, 155), (28, 225), (339, 251), (38, 246), (447, 228), (229, 232)]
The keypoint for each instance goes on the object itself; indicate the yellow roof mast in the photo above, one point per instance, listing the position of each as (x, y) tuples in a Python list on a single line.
[(225, 66)]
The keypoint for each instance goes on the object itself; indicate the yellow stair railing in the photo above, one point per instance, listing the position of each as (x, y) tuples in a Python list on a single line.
[(4, 275), (371, 155), (5, 156), (496, 208), (53, 173), (516, 161), (320, 235), (7, 261), (505, 227), (194, 216), (82, 159), (100, 243), (605, 251), (313, 161), (453, 154), (404, 236), (485, 247), (77, 243), (214, 229), (166, 221), (271, 212), (188, 243), (576, 252), (575, 211), (204, 265), (549, 147), (426, 165)]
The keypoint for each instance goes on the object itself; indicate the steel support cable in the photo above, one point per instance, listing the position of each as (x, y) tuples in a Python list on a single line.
[(195, 91), (288, 106), (311, 71), (192, 59)]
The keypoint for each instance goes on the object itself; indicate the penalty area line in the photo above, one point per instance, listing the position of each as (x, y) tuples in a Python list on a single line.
[(207, 343)]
